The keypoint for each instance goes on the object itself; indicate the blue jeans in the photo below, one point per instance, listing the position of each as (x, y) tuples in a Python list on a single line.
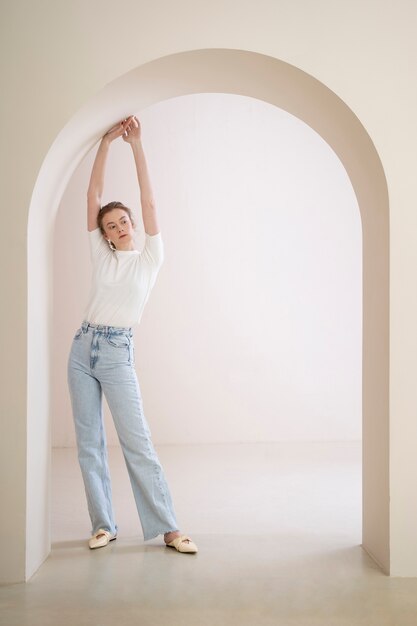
[(102, 360)]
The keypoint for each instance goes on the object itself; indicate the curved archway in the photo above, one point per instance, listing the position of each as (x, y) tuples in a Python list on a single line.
[(265, 78)]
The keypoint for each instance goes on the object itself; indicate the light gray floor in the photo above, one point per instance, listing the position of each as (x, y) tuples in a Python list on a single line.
[(278, 531)]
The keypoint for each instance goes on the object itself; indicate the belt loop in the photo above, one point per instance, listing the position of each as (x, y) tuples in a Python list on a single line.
[(84, 327)]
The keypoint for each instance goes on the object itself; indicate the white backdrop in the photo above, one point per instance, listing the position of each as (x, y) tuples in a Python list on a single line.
[(253, 329)]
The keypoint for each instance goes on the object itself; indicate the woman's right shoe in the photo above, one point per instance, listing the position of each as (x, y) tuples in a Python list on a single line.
[(101, 539), (183, 543)]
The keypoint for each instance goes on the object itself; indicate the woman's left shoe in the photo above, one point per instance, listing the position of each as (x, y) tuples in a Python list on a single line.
[(183, 544), (101, 539)]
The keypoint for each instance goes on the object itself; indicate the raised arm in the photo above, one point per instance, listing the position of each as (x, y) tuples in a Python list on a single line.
[(95, 188), (149, 215)]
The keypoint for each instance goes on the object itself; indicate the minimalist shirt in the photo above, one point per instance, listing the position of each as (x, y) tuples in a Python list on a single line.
[(122, 280)]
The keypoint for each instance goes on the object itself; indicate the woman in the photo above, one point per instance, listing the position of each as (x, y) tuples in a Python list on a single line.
[(102, 355)]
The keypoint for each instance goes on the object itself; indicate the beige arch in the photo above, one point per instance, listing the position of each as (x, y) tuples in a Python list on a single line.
[(266, 78)]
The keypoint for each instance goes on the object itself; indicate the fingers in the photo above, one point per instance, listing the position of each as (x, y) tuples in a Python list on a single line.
[(117, 129), (127, 128), (133, 127), (125, 122)]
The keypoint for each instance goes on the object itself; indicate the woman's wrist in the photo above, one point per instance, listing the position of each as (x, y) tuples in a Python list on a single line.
[(136, 145), (106, 141)]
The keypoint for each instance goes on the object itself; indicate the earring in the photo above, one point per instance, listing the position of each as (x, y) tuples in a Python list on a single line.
[(111, 245)]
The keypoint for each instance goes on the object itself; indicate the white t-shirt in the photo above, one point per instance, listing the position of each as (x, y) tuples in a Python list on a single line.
[(122, 280)]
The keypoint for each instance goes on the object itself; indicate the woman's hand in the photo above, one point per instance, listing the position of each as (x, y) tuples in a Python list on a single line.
[(133, 131), (118, 130)]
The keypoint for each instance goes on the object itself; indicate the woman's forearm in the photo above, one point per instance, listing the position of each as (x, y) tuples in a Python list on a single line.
[(96, 186), (147, 201)]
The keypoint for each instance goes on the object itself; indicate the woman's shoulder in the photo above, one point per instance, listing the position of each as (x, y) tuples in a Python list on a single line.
[(153, 250)]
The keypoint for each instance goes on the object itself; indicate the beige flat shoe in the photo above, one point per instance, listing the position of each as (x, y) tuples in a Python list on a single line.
[(101, 539), (182, 545)]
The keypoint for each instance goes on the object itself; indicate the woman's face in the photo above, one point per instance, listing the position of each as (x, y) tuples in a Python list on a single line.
[(118, 229)]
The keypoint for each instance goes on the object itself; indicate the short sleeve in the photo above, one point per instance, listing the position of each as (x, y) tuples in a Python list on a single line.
[(153, 251), (98, 247)]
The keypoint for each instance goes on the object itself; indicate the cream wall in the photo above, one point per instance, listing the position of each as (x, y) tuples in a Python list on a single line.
[(254, 328), (364, 51)]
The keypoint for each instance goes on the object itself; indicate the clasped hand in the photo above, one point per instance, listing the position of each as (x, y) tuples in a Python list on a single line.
[(129, 129)]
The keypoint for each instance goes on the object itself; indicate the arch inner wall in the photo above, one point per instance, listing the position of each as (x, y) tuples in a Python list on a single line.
[(242, 73)]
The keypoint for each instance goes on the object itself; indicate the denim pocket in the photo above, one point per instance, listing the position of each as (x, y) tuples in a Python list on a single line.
[(118, 341), (78, 333)]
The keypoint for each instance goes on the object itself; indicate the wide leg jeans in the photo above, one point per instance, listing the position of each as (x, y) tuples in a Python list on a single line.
[(102, 361)]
